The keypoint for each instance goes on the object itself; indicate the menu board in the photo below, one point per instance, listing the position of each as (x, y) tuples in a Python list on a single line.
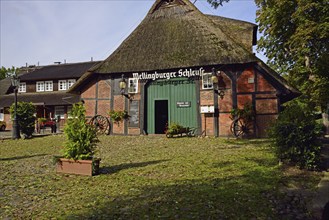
[(134, 113)]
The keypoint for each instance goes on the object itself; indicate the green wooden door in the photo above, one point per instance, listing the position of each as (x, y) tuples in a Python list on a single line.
[(180, 94)]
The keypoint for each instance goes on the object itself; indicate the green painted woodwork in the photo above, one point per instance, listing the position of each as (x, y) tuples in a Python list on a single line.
[(175, 91)]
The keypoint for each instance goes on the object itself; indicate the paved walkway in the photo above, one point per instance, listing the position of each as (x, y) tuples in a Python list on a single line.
[(7, 134)]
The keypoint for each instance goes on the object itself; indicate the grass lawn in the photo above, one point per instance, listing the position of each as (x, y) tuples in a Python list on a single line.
[(143, 178)]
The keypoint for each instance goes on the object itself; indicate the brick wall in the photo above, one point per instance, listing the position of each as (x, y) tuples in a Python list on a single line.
[(251, 87)]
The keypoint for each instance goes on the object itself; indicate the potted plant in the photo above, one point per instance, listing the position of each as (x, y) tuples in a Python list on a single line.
[(118, 116), (79, 148)]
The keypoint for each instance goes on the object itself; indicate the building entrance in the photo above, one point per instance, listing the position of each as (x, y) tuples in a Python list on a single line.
[(171, 101), (161, 116)]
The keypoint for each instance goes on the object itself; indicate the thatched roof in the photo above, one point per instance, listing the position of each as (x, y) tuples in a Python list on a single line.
[(5, 85), (59, 71), (241, 31), (175, 35)]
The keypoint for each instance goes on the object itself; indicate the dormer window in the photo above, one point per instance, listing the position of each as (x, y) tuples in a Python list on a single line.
[(65, 84), (22, 87), (70, 83), (62, 85), (40, 86), (48, 86)]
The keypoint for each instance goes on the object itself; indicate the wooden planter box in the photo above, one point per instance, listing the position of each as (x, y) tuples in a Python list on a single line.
[(80, 167)]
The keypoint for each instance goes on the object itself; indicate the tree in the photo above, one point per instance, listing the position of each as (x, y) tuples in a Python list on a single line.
[(25, 117), (7, 72), (296, 41), (216, 3)]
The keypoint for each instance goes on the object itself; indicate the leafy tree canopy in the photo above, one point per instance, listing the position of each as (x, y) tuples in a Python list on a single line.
[(7, 72), (296, 41), (216, 3)]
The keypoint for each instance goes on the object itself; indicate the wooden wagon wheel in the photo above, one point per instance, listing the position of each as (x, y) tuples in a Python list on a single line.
[(101, 124), (240, 127)]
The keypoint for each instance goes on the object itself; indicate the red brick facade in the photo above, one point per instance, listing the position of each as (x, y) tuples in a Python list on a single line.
[(248, 86)]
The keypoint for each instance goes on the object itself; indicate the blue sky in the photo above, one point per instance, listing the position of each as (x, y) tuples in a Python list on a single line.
[(43, 32)]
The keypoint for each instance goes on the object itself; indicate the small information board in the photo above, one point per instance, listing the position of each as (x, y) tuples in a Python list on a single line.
[(183, 104), (207, 109), (134, 113)]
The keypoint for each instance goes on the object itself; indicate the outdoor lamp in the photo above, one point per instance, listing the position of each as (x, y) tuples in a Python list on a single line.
[(218, 82), (122, 86), (221, 85), (15, 81), (214, 76)]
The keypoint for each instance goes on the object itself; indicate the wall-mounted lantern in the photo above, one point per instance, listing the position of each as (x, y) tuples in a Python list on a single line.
[(122, 86), (218, 82)]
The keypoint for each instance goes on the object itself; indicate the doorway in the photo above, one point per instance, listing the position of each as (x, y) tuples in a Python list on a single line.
[(161, 116)]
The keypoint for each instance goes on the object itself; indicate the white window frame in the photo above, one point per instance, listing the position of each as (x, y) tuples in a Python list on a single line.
[(59, 111), (70, 83), (132, 85), (62, 85), (2, 114), (40, 86), (49, 86), (207, 82), (69, 110), (22, 87)]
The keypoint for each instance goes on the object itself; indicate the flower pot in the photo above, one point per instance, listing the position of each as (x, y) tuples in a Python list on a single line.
[(80, 167)]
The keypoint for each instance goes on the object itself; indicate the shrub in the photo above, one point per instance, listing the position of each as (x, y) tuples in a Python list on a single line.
[(81, 136), (295, 135), (175, 128), (25, 117)]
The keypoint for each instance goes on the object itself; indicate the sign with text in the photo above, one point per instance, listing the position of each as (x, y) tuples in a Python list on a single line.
[(183, 104), (168, 75), (207, 109)]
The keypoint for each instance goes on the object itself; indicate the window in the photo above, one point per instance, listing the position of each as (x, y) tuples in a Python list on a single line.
[(22, 87), (2, 115), (62, 85), (59, 111), (40, 86), (70, 83), (48, 86), (132, 85), (207, 81), (69, 110)]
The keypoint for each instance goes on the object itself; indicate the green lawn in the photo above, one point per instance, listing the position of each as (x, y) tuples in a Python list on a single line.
[(142, 178)]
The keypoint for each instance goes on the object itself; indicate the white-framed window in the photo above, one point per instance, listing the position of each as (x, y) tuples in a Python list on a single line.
[(132, 85), (2, 114), (207, 81), (70, 83), (48, 86), (40, 86), (22, 87), (59, 111), (61, 85), (69, 110)]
